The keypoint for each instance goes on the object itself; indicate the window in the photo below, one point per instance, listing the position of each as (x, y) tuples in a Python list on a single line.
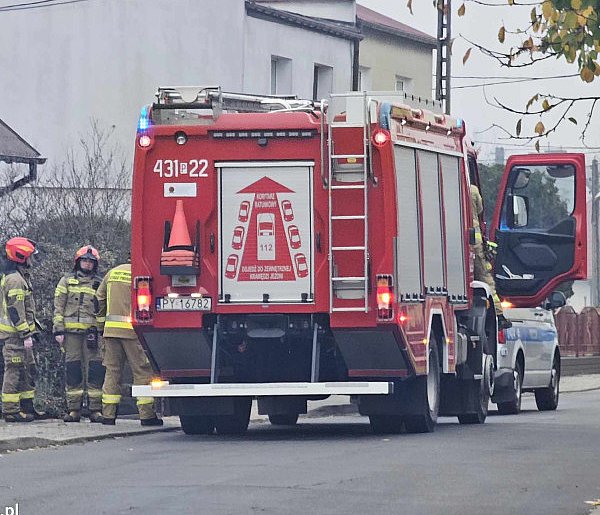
[(403, 84), (545, 193), (281, 75), (364, 78), (322, 81)]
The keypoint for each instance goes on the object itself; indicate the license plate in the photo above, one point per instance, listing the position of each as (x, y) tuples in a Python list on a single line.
[(183, 304)]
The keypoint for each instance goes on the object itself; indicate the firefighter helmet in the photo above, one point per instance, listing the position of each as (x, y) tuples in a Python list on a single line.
[(19, 249), (87, 252)]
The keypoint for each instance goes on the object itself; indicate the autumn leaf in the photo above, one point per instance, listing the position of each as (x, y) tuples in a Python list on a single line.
[(501, 34), (573, 120), (467, 55), (586, 74), (539, 128), (546, 105), (533, 99), (409, 5), (576, 4), (547, 9), (537, 146), (461, 10), (519, 127)]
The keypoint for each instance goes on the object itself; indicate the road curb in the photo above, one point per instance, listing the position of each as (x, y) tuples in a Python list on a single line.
[(31, 442)]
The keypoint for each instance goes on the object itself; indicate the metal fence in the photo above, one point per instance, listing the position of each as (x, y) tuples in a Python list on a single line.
[(578, 333)]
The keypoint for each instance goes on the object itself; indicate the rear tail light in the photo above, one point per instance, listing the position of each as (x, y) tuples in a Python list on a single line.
[(143, 296), (385, 297), (501, 336), (380, 137), (145, 141)]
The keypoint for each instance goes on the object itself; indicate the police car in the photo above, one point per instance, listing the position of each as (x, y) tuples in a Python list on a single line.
[(528, 358)]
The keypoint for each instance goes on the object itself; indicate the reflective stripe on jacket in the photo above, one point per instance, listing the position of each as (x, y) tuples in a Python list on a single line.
[(114, 303), (17, 307), (74, 302)]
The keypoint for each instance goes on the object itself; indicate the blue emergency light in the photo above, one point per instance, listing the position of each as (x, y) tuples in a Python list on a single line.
[(144, 121)]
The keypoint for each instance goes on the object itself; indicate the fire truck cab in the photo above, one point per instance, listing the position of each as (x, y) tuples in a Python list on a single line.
[(294, 250)]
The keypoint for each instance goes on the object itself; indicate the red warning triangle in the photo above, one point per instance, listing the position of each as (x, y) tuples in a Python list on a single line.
[(266, 185)]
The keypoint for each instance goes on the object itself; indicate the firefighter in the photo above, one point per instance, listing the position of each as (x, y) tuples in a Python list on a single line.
[(120, 345), (18, 328), (483, 267), (75, 329)]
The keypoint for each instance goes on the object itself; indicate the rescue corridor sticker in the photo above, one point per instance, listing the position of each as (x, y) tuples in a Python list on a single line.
[(266, 235)]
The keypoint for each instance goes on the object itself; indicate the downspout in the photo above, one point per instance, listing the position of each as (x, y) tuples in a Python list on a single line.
[(355, 59)]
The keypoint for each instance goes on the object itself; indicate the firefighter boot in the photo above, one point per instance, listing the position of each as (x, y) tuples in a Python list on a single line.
[(18, 417), (72, 416), (27, 407), (96, 416), (155, 421)]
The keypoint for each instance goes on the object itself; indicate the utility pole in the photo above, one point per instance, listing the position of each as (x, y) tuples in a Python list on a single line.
[(442, 76), (595, 283)]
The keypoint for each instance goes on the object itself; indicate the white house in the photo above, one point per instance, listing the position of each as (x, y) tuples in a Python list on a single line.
[(65, 65)]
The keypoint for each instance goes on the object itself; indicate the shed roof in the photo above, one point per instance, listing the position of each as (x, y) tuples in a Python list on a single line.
[(14, 149)]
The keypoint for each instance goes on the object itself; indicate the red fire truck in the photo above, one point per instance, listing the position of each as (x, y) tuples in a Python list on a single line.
[(285, 251)]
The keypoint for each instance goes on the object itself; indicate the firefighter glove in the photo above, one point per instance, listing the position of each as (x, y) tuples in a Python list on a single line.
[(91, 338), (490, 250)]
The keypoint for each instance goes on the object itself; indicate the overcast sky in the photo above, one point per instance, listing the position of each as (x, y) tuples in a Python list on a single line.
[(481, 24)]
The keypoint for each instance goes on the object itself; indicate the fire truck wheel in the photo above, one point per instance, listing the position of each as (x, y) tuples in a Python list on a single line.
[(427, 390), (285, 419), (386, 424), (197, 424), (237, 423), (481, 392)]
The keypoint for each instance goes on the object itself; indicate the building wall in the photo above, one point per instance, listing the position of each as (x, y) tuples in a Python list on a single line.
[(386, 57), (65, 65), (304, 49)]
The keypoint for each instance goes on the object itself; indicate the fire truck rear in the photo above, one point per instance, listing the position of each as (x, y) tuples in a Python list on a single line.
[(284, 252)]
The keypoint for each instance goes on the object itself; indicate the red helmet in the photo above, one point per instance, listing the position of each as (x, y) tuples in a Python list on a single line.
[(87, 252), (19, 249)]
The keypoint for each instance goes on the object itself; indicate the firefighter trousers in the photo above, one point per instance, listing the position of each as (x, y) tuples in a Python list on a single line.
[(483, 272), (115, 352), (19, 374), (84, 371)]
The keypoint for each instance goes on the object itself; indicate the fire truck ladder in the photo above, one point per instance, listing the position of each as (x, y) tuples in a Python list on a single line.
[(212, 97), (355, 178)]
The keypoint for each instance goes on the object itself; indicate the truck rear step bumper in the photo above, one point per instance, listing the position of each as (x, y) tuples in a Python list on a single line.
[(263, 389)]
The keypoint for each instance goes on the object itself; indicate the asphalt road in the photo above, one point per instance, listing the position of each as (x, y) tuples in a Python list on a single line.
[(533, 463)]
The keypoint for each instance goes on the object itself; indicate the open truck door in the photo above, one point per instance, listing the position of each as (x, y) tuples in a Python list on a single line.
[(540, 226)]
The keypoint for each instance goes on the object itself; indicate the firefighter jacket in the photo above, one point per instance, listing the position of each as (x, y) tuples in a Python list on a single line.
[(477, 210), (17, 308), (114, 303), (75, 302)]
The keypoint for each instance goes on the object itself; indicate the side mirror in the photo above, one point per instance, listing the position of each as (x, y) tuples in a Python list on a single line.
[(518, 208), (556, 300)]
